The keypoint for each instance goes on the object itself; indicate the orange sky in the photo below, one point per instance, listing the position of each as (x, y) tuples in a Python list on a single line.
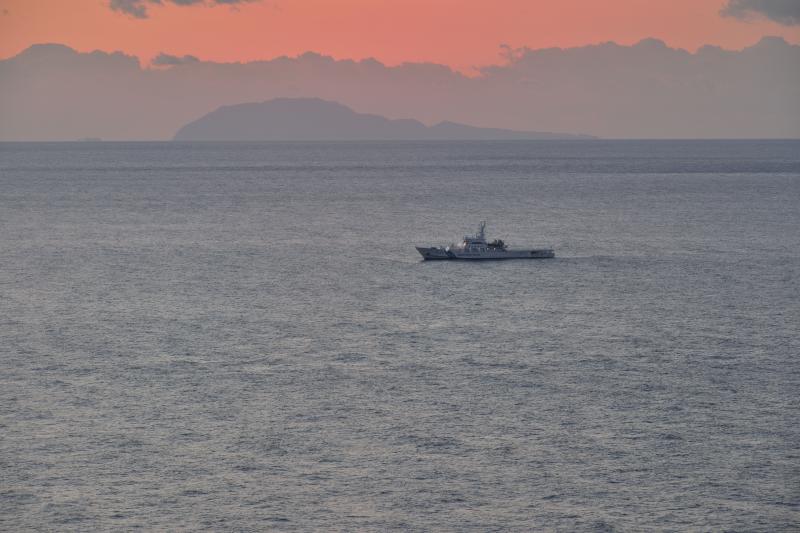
[(461, 34)]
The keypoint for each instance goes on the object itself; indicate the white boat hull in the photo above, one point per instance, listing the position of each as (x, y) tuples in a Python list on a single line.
[(435, 253)]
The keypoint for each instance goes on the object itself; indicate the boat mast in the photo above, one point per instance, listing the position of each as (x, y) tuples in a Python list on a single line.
[(481, 229)]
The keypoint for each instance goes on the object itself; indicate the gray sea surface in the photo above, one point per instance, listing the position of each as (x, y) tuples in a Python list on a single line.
[(242, 337)]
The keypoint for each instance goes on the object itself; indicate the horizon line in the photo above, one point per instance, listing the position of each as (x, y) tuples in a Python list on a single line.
[(378, 141)]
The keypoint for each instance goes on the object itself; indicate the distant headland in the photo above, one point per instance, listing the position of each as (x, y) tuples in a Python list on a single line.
[(314, 119)]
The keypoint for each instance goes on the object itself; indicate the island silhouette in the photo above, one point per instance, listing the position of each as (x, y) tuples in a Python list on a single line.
[(314, 119)]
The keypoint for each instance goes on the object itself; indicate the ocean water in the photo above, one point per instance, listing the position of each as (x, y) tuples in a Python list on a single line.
[(242, 337)]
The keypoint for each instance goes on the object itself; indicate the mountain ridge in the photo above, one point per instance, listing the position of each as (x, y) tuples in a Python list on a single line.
[(315, 119)]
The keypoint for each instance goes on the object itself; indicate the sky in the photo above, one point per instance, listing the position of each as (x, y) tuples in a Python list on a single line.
[(142, 69), (462, 34)]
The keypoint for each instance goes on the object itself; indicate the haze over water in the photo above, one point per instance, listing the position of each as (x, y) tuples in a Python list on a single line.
[(242, 336)]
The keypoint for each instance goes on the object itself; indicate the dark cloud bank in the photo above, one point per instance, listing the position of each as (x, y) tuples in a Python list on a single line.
[(50, 92)]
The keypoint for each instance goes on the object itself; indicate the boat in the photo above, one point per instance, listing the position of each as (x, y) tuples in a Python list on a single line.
[(475, 247)]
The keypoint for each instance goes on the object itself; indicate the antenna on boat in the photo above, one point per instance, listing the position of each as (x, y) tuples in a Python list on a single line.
[(481, 229)]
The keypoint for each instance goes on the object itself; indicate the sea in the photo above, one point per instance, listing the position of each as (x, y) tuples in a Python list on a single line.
[(242, 337)]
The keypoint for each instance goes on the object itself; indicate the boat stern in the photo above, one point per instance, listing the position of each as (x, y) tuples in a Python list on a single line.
[(430, 253)]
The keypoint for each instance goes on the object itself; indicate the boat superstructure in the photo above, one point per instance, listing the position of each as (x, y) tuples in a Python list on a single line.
[(474, 247)]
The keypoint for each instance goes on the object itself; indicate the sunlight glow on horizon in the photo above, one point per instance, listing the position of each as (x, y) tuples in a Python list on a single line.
[(462, 35)]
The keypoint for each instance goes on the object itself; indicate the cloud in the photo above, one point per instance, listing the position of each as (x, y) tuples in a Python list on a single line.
[(648, 90), (167, 60), (510, 53), (134, 8), (786, 12), (138, 8)]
